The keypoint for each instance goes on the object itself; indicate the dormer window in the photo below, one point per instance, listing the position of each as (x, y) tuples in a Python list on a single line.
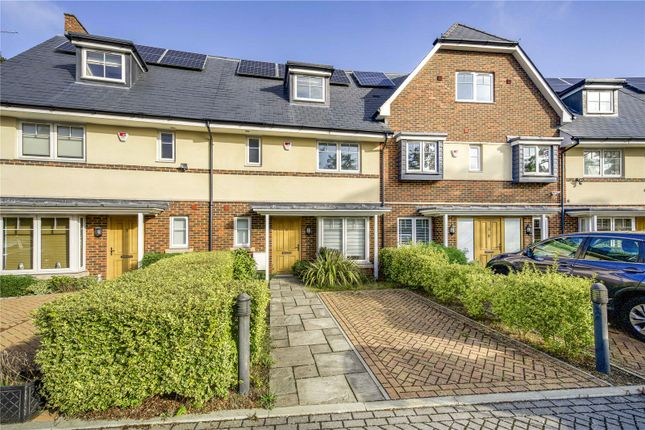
[(103, 66), (309, 88), (600, 101)]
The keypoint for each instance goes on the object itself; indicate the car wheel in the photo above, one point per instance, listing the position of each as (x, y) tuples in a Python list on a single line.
[(633, 317)]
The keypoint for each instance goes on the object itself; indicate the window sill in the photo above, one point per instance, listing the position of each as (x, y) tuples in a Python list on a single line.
[(165, 161), (48, 158), (475, 101), (47, 273), (178, 250), (348, 172)]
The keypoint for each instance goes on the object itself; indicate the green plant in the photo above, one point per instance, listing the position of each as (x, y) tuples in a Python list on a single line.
[(243, 264), (153, 257), (61, 284), (267, 400), (299, 267), (15, 285), (168, 329), (331, 269)]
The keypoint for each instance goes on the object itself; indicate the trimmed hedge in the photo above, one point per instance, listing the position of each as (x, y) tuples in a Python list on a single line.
[(153, 257), (15, 285), (552, 305), (165, 329), (244, 264)]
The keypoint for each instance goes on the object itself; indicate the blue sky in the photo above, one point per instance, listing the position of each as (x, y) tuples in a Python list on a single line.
[(570, 39)]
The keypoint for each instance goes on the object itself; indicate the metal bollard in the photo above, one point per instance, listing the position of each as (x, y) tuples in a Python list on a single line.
[(600, 298), (243, 342)]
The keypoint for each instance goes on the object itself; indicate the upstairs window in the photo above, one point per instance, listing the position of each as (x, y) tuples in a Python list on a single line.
[(253, 151), (103, 66), (603, 162), (52, 141), (344, 157), (475, 87), (600, 101), (69, 141), (422, 156), (474, 158), (35, 140), (536, 160), (309, 88), (166, 151)]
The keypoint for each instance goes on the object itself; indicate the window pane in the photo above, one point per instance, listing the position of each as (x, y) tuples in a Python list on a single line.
[(484, 88), (414, 156), (333, 233), (179, 231), (254, 155), (95, 70), (113, 72), (622, 224), (405, 231), (18, 242), (309, 87), (28, 129), (54, 236), (563, 247), (167, 146), (423, 231), (537, 228), (430, 157), (327, 156), (242, 231), (242, 224), (603, 224), (349, 157), (474, 152), (592, 163), (355, 238), (544, 155), (95, 56), (529, 159), (465, 86), (35, 139), (611, 163), (608, 249), (68, 145), (113, 59)]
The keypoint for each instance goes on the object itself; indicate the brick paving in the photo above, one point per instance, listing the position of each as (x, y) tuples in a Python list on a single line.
[(17, 333), (627, 352), (416, 348)]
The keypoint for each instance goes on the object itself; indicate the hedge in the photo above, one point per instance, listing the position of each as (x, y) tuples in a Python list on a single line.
[(165, 329), (153, 257), (15, 285), (552, 305)]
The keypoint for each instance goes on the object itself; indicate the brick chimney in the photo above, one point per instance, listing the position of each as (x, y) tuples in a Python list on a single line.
[(73, 25)]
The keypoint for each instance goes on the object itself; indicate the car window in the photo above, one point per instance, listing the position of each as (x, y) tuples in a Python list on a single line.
[(611, 249), (561, 247)]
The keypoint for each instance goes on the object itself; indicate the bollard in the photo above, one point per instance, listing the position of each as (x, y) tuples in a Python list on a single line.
[(243, 342), (600, 297)]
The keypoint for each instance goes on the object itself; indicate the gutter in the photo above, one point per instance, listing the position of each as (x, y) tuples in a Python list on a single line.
[(562, 180), (210, 186)]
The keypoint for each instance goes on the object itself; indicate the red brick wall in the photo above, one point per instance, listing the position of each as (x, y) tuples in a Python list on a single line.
[(96, 247)]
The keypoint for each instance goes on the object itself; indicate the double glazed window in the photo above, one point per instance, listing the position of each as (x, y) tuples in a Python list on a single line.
[(347, 235), (600, 101), (242, 231), (414, 230), (536, 160), (475, 158), (344, 157), (166, 150), (105, 66), (37, 140), (43, 244), (603, 162), (179, 232), (253, 151), (422, 156), (614, 224), (309, 88), (474, 87)]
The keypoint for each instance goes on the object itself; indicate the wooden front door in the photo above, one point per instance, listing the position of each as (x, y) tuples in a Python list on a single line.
[(285, 243), (122, 245), (488, 238)]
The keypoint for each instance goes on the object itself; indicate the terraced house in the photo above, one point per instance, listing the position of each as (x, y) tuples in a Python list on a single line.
[(110, 150)]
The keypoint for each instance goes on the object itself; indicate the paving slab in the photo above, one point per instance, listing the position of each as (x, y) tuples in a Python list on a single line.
[(281, 380), (319, 323), (338, 363), (292, 356), (324, 390), (307, 337), (364, 387)]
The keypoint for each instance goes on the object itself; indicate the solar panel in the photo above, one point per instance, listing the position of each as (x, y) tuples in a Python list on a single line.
[(281, 70), (373, 79), (257, 68), (339, 77), (150, 54), (638, 83), (66, 47), (186, 60)]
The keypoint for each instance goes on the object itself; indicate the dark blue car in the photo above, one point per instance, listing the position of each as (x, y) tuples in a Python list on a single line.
[(617, 259)]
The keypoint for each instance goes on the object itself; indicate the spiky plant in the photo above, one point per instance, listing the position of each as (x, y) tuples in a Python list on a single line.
[(330, 269)]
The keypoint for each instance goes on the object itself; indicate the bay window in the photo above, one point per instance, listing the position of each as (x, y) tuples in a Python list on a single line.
[(413, 230), (536, 160), (614, 224), (43, 244), (422, 156), (603, 162), (349, 236)]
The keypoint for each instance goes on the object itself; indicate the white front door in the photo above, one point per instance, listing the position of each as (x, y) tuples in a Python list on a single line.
[(465, 240)]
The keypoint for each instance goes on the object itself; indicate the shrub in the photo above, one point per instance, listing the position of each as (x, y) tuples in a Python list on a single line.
[(243, 264), (15, 285), (298, 268), (166, 329), (61, 284), (153, 257), (331, 269)]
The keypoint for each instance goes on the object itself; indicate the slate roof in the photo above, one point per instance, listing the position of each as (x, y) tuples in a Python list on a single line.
[(463, 33), (44, 77)]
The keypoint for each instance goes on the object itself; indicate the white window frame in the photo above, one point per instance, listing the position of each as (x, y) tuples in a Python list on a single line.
[(537, 160), (321, 229), (53, 142), (248, 151), (600, 111), (602, 163), (172, 234), (76, 260), (422, 168), (612, 222), (479, 149), (474, 99), (160, 159), (250, 229), (338, 157), (414, 229), (84, 74), (308, 99)]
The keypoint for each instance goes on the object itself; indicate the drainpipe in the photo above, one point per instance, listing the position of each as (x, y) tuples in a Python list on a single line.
[(382, 184), (210, 187), (562, 181)]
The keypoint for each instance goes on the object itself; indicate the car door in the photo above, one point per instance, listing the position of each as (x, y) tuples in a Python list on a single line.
[(614, 261), (561, 250)]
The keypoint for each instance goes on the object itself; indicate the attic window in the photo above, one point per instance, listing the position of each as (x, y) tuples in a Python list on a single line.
[(309, 88), (600, 102), (103, 66)]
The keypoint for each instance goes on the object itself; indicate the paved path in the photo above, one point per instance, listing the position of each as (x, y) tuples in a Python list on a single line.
[(627, 352), (419, 349), (313, 363)]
